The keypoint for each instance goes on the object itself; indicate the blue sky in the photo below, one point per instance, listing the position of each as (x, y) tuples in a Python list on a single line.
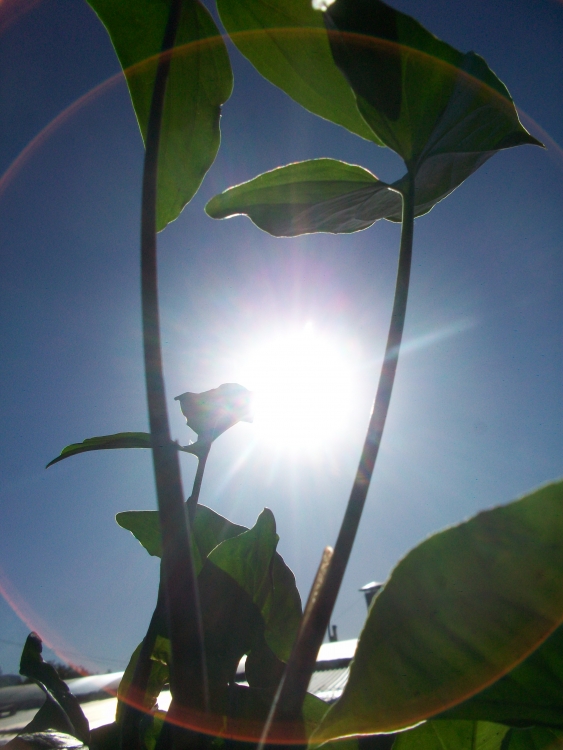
[(476, 415)]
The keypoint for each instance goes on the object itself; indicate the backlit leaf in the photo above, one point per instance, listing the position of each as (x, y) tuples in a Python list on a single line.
[(532, 693), (104, 443), (286, 42), (320, 195), (199, 82), (452, 735), (459, 611), (252, 561), (534, 738), (420, 95), (209, 529)]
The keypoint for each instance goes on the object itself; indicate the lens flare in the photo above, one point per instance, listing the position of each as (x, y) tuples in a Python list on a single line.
[(302, 383)]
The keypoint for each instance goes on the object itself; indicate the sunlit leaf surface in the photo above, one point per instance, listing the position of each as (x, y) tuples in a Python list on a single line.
[(459, 611), (285, 40), (104, 443), (200, 81), (452, 735), (209, 529), (423, 98), (533, 738), (531, 693)]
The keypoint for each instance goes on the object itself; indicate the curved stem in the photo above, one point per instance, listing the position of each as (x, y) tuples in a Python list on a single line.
[(302, 661), (178, 577)]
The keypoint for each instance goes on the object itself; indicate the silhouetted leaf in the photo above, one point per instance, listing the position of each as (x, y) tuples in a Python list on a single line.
[(532, 693), (210, 413), (459, 611), (286, 42), (252, 561), (209, 529), (104, 443), (61, 710), (200, 81), (452, 735)]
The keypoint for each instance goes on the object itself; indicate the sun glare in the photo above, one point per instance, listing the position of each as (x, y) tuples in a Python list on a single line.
[(302, 383)]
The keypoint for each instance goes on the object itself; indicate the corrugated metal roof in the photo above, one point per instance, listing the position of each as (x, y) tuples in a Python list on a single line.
[(328, 684)]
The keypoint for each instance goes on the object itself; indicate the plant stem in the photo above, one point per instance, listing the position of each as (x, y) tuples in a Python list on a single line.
[(132, 711), (288, 705), (193, 499), (304, 655), (179, 581)]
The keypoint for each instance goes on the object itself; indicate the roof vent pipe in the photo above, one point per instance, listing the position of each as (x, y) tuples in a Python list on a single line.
[(370, 590)]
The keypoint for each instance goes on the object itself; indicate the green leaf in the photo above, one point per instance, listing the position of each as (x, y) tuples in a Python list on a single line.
[(452, 735), (313, 712), (199, 82), (325, 195), (532, 693), (252, 561), (419, 94), (459, 611), (286, 42), (209, 529), (105, 442), (158, 677), (320, 195), (534, 738)]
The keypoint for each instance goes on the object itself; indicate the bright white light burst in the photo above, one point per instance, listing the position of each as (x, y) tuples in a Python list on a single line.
[(303, 385)]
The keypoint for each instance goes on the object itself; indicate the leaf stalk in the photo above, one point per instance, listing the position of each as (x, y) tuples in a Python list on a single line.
[(302, 661), (178, 576)]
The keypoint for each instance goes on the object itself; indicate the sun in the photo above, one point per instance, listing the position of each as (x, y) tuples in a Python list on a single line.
[(302, 383)]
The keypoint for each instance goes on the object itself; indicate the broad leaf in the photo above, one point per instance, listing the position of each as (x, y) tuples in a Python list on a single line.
[(252, 561), (534, 738), (459, 611), (452, 735), (199, 82), (159, 676), (418, 93), (104, 443), (286, 42), (532, 693), (209, 529), (320, 195), (421, 96)]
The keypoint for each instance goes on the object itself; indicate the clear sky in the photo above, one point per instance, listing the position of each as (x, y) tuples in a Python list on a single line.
[(476, 415)]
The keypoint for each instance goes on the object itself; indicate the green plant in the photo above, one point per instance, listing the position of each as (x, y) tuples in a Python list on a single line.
[(469, 661)]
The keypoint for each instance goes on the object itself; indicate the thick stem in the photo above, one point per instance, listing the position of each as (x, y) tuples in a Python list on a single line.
[(132, 711), (287, 706), (178, 577), (303, 658)]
